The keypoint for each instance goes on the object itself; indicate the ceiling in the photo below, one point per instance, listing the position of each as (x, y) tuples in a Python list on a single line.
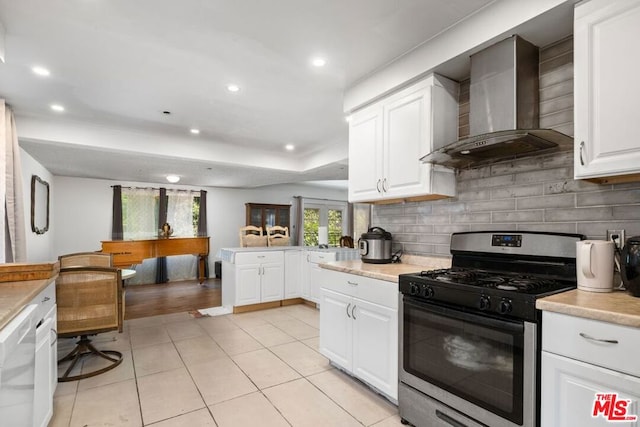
[(117, 65)]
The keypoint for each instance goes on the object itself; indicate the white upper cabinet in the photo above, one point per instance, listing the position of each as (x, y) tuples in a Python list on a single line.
[(607, 90), (387, 139)]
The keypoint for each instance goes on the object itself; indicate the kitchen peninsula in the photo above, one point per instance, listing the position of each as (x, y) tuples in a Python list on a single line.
[(256, 278)]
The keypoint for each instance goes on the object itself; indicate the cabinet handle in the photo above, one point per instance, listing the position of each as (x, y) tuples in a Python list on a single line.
[(46, 299), (581, 150), (352, 283), (585, 336), (348, 310), (260, 256), (447, 419), (385, 187), (378, 186), (55, 334), (353, 312)]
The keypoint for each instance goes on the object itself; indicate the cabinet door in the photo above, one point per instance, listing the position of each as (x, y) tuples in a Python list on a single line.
[(43, 394), (375, 346), (407, 123), (336, 327), (247, 284), (365, 155), (292, 274), (272, 281), (314, 283), (607, 89), (569, 388)]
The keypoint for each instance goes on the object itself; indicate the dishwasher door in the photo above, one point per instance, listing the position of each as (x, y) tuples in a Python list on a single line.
[(17, 368)]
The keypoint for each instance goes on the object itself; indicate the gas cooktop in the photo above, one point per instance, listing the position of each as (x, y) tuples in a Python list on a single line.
[(495, 280)]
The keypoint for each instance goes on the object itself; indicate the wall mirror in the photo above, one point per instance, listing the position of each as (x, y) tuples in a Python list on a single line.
[(39, 205)]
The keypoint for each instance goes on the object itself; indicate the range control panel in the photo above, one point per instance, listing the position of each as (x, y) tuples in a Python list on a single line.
[(509, 240)]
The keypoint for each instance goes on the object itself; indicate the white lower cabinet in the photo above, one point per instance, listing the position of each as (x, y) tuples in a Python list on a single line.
[(582, 359), (359, 328), (255, 277), (292, 274), (312, 273), (46, 369)]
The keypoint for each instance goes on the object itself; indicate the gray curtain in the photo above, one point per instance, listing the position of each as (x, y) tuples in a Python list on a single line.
[(202, 228), (117, 231), (297, 233), (350, 220), (162, 276)]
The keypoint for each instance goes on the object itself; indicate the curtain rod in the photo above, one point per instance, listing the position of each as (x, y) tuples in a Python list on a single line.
[(157, 188), (322, 200)]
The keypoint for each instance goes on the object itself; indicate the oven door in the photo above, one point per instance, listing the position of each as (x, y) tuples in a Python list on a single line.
[(481, 366)]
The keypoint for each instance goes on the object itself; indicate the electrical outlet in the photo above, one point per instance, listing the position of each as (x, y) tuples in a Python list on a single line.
[(617, 237)]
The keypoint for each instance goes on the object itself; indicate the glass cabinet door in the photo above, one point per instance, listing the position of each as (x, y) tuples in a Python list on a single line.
[(268, 215)]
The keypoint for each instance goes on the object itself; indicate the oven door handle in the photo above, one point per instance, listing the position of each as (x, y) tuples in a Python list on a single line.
[(502, 324), (447, 419)]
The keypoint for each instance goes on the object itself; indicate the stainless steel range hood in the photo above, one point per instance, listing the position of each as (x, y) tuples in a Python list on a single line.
[(504, 104)]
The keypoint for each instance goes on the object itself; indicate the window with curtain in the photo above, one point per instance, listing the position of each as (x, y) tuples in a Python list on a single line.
[(140, 212)]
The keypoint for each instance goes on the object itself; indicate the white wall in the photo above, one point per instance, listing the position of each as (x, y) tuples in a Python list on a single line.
[(83, 210), (39, 246)]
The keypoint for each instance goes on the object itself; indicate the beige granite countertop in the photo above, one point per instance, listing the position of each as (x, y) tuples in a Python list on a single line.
[(617, 307), (388, 272), (15, 295)]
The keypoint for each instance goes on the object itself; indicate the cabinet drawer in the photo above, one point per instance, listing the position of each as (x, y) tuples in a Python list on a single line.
[(581, 339), (45, 300), (320, 257), (259, 257), (367, 289)]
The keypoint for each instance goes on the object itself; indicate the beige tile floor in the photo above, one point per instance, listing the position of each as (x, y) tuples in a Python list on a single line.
[(254, 369)]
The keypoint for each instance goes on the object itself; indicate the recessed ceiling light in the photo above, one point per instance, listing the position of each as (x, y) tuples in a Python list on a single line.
[(290, 147), (318, 62), (41, 71), (57, 107), (173, 178), (233, 88), (195, 131)]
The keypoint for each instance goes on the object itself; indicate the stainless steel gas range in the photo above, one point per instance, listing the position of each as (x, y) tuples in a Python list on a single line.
[(470, 335)]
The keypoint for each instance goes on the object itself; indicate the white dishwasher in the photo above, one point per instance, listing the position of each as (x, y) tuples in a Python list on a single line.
[(17, 368)]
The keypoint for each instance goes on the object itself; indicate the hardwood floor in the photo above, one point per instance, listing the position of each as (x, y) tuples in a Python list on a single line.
[(173, 297)]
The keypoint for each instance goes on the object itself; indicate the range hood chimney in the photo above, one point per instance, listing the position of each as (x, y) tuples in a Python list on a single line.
[(504, 104)]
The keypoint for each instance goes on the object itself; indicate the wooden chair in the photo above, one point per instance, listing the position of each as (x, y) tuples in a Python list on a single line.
[(86, 259), (278, 236), (88, 300), (346, 242), (91, 259), (252, 236)]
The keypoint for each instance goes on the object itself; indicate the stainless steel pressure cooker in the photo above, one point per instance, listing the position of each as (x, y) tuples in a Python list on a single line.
[(375, 246)]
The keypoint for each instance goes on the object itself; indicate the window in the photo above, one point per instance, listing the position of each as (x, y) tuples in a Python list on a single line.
[(140, 213), (140, 208), (330, 215), (361, 219)]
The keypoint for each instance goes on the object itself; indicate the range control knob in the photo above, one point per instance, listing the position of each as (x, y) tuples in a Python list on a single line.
[(505, 306), (413, 289), (427, 291), (485, 303)]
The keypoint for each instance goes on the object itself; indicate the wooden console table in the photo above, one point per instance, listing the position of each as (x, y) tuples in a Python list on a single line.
[(129, 252)]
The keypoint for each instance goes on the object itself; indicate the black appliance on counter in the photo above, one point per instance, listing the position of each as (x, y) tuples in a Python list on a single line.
[(375, 246), (470, 336), (630, 265)]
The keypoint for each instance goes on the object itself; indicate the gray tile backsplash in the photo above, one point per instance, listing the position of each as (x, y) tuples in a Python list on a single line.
[(532, 194)]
